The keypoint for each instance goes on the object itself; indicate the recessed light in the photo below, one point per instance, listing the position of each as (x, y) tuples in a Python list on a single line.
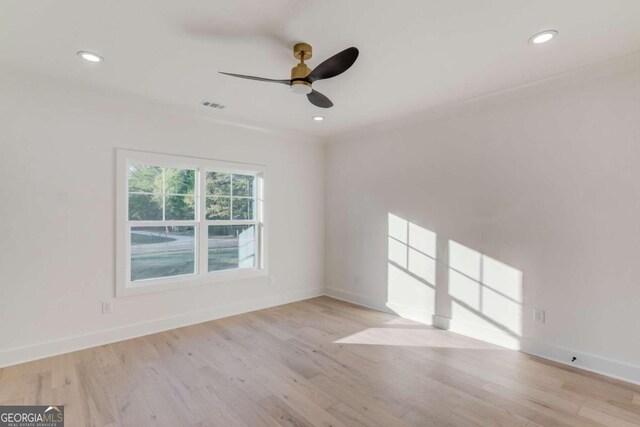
[(90, 56), (318, 118), (543, 37)]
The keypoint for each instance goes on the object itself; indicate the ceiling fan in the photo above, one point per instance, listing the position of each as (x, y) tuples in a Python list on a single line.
[(302, 77)]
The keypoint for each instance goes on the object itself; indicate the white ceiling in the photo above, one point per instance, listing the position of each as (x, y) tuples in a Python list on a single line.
[(414, 54)]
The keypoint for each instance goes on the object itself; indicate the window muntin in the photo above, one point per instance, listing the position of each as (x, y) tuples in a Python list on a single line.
[(189, 221)]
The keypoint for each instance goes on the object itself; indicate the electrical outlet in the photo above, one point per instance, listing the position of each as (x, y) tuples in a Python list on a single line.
[(538, 315), (272, 280), (107, 307)]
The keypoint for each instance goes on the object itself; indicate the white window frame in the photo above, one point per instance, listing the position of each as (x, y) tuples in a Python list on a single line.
[(201, 276)]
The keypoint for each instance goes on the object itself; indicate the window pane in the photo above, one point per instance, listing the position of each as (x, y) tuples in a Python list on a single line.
[(145, 179), (231, 246), (179, 181), (162, 252), (242, 208), (218, 184), (243, 185), (178, 208), (145, 207), (218, 208)]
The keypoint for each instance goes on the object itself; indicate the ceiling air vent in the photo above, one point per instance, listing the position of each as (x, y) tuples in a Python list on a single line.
[(213, 105)]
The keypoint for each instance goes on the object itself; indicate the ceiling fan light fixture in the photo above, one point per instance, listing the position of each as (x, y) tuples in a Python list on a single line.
[(301, 89), (318, 118)]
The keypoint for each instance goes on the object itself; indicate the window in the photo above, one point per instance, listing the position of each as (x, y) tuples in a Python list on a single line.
[(186, 221)]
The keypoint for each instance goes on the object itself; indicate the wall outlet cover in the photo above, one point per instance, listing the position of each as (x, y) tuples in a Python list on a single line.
[(107, 307)]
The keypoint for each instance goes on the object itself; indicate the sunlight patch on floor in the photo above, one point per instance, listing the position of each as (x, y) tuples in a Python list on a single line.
[(411, 337), (403, 322)]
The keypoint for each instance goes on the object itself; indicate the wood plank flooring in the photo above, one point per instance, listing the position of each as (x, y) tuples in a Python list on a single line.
[(319, 362)]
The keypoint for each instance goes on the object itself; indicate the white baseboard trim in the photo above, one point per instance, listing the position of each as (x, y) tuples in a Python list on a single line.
[(588, 362), (356, 299), (18, 355), (391, 308)]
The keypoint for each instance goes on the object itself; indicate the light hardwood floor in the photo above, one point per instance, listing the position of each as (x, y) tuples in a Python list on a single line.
[(320, 362)]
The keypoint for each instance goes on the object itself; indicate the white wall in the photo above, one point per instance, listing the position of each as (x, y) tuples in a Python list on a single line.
[(57, 217), (545, 180)]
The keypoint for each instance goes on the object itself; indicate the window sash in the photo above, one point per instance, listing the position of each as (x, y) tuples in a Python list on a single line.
[(203, 245)]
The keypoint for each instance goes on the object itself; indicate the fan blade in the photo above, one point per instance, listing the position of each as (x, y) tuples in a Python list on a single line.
[(319, 100), (337, 64), (260, 79)]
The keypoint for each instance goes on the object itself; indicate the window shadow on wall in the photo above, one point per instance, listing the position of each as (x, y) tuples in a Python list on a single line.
[(478, 295), (411, 269), (484, 292)]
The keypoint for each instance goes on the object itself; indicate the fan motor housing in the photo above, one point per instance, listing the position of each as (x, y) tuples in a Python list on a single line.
[(300, 71)]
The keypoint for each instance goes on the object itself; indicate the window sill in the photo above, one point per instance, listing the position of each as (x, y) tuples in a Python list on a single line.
[(181, 282)]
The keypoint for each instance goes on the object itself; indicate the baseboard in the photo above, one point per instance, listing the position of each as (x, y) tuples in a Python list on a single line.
[(391, 308), (588, 362), (357, 299), (80, 342)]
